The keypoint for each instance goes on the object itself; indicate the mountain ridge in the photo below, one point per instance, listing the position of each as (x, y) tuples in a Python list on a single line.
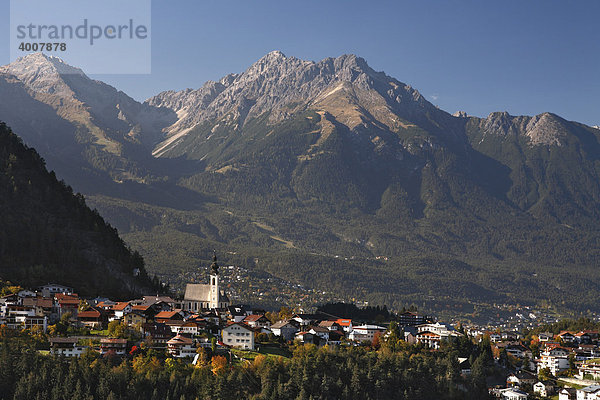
[(346, 167)]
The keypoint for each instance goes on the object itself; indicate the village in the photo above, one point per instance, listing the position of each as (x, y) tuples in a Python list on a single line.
[(565, 365)]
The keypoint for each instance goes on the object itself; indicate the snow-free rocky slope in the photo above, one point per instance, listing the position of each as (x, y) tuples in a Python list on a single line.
[(332, 175)]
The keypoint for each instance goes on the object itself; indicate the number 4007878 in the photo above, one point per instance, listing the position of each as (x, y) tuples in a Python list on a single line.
[(26, 46)]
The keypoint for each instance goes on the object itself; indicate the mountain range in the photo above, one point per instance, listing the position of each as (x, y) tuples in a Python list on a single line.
[(331, 175)]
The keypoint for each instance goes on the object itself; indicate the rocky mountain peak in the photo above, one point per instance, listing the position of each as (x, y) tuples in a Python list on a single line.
[(40, 72), (543, 129)]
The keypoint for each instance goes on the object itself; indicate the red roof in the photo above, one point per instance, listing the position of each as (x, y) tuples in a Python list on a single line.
[(564, 333), (89, 314), (253, 317), (344, 322), (167, 315), (120, 306)]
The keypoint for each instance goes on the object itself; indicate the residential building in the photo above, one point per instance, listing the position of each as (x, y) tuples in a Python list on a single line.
[(365, 332), (113, 345), (590, 370), (257, 321), (238, 335), (51, 289), (409, 318), (567, 393), (521, 378), (67, 347), (513, 394), (555, 359), (588, 393), (285, 329), (181, 346), (544, 389)]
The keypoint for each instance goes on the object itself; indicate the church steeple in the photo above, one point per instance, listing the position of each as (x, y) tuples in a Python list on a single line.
[(214, 283), (214, 266)]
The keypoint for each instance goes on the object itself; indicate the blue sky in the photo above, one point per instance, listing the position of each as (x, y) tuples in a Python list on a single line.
[(525, 57)]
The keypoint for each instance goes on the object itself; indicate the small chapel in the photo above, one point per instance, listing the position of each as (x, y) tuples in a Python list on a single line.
[(200, 296)]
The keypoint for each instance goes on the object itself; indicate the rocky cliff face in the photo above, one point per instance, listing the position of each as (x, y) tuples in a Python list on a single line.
[(346, 87)]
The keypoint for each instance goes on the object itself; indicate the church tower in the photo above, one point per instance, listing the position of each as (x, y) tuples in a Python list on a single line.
[(214, 283)]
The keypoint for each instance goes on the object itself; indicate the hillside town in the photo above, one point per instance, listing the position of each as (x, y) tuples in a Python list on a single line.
[(564, 364)]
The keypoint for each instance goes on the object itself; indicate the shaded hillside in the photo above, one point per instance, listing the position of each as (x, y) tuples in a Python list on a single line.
[(49, 234)]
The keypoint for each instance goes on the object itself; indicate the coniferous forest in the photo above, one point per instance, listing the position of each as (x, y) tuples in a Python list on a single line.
[(388, 370)]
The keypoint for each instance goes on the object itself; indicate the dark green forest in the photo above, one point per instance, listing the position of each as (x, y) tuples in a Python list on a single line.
[(49, 234)]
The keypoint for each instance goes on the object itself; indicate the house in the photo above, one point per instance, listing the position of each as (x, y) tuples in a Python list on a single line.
[(429, 339), (590, 370), (51, 289), (307, 337), (513, 394), (257, 321), (410, 334), (544, 389), (205, 296), (365, 332), (432, 334), (520, 378), (307, 319), (134, 318), (189, 328), (164, 316), (588, 393), (465, 366), (335, 338), (555, 359), (238, 335), (583, 337), (113, 345), (566, 337), (517, 350), (181, 346), (567, 393), (345, 324), (331, 325), (66, 347), (173, 305), (91, 318), (66, 303), (284, 329), (15, 315), (121, 309), (159, 334), (321, 332), (237, 313), (42, 306), (412, 319), (545, 336)]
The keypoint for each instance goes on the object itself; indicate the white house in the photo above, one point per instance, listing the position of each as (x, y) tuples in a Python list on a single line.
[(513, 394), (588, 393), (238, 335), (66, 347), (555, 360), (567, 393), (544, 389), (181, 346), (121, 309), (590, 368), (365, 332)]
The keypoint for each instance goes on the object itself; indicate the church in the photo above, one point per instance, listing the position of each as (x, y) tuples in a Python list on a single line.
[(199, 296)]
